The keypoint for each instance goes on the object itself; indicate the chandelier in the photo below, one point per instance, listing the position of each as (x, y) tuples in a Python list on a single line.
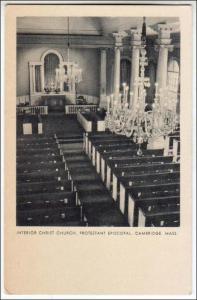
[(135, 120), (69, 73)]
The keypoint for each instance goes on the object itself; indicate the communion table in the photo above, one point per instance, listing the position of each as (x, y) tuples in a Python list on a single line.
[(55, 102)]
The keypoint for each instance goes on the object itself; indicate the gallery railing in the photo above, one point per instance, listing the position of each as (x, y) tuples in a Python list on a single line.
[(75, 108)]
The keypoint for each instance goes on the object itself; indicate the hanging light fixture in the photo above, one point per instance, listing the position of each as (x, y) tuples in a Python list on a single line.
[(72, 74), (135, 121)]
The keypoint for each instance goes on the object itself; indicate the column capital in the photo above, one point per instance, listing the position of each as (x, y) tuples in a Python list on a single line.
[(160, 46), (103, 49), (118, 36), (164, 31), (136, 36)]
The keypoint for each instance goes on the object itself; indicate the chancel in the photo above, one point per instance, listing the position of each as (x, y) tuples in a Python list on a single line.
[(98, 133)]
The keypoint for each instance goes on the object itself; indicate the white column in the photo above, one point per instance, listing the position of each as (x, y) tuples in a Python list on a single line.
[(116, 73), (118, 43), (42, 77), (135, 59), (103, 79), (31, 78), (163, 46)]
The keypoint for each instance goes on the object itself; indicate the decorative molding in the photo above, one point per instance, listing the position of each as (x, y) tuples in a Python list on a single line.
[(52, 51), (118, 36)]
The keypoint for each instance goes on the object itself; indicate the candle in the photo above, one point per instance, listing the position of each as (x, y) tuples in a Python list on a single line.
[(108, 103), (126, 93), (111, 98), (124, 88)]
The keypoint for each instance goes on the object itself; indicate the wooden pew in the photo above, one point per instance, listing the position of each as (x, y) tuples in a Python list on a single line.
[(135, 203), (37, 152), (37, 146), (110, 149), (104, 156), (24, 168), (176, 150), (42, 177), (107, 145), (51, 186), (146, 179), (101, 139), (166, 217), (169, 142), (41, 159), (46, 200), (131, 198), (139, 169), (114, 162), (48, 217), (38, 139), (28, 142)]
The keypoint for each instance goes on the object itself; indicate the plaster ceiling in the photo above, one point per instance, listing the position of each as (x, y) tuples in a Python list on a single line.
[(89, 25)]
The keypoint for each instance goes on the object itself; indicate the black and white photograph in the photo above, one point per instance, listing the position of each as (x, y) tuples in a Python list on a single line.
[(98, 121), (98, 149)]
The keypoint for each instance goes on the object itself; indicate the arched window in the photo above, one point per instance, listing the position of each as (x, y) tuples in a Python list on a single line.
[(173, 76), (51, 63)]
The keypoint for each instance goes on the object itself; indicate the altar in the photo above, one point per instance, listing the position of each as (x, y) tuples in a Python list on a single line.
[(55, 102), (53, 81)]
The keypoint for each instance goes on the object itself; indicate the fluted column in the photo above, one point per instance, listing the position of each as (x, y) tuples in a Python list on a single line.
[(163, 47), (118, 43), (135, 59), (103, 80)]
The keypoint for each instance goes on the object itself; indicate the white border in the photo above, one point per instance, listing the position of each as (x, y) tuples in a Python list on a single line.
[(193, 294)]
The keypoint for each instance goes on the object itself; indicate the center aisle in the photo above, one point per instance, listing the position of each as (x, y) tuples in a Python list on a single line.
[(98, 206)]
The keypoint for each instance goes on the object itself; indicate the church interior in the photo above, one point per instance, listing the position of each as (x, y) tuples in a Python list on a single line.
[(98, 130)]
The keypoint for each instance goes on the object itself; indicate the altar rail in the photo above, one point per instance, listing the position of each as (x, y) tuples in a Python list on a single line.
[(74, 109), (33, 110)]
